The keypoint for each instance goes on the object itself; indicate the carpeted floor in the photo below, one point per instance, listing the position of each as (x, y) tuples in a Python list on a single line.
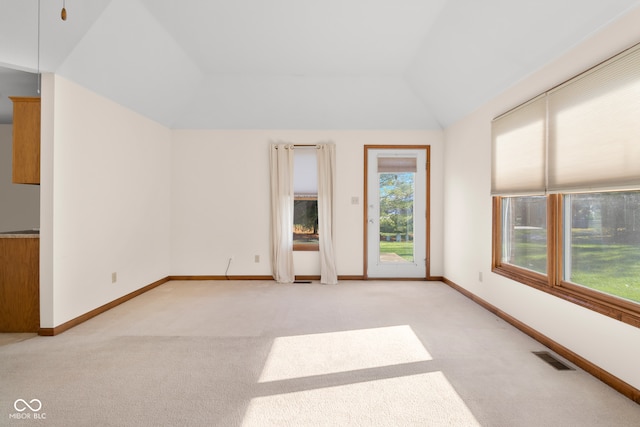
[(235, 353)]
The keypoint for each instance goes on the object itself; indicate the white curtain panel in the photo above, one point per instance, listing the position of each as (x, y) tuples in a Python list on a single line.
[(326, 212), (281, 156)]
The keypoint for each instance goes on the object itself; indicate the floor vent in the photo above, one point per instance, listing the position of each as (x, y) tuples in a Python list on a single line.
[(551, 360)]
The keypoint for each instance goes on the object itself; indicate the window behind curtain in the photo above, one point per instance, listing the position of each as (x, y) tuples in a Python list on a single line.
[(305, 205)]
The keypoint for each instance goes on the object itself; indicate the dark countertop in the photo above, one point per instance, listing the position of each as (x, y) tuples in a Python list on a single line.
[(32, 234)]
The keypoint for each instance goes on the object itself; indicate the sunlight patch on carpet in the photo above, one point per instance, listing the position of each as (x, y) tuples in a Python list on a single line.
[(416, 400), (328, 353)]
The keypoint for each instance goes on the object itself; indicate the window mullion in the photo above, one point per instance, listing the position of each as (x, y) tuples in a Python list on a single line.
[(497, 233), (554, 239)]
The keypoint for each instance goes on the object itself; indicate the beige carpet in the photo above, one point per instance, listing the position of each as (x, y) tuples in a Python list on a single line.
[(262, 354)]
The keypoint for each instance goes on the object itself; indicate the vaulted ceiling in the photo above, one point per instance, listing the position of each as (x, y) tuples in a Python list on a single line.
[(292, 64)]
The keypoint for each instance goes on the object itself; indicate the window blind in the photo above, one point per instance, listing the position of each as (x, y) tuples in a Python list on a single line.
[(397, 164), (518, 150), (583, 135), (594, 128), (305, 172)]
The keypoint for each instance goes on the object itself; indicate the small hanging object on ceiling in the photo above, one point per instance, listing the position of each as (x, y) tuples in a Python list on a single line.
[(63, 13)]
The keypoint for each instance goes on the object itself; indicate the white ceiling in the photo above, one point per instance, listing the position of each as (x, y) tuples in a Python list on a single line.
[(293, 64)]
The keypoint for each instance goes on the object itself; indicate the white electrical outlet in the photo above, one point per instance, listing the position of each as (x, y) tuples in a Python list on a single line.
[(256, 258), (114, 277), (480, 276)]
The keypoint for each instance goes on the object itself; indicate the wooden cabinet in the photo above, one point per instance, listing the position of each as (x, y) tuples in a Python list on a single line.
[(26, 140), (19, 284)]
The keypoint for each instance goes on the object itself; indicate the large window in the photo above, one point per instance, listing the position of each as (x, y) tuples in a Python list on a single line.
[(524, 234), (566, 187), (602, 242)]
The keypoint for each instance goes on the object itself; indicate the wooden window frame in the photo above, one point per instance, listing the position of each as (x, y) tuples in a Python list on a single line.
[(618, 308)]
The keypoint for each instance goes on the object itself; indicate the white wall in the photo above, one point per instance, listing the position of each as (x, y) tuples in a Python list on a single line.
[(220, 199), (19, 203), (123, 194), (105, 201), (612, 345)]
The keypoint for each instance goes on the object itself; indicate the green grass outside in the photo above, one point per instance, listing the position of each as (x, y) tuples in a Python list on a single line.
[(532, 256), (597, 264), (610, 268), (613, 269), (403, 249)]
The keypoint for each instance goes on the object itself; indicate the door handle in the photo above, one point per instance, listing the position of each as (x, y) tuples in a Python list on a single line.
[(370, 221)]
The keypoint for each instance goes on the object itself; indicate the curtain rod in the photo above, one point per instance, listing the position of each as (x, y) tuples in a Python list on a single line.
[(301, 145)]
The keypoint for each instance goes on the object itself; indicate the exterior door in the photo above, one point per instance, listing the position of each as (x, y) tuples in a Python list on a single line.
[(396, 212)]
